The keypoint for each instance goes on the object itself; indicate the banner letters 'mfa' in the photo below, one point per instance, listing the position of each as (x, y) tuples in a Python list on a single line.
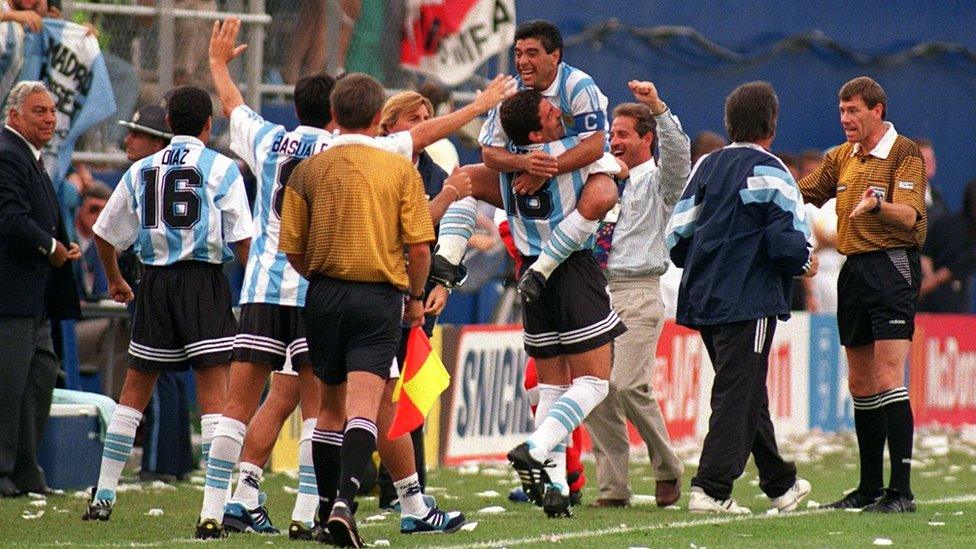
[(493, 401)]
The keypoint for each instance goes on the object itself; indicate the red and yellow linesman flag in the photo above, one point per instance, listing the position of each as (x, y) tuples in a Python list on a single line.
[(421, 382)]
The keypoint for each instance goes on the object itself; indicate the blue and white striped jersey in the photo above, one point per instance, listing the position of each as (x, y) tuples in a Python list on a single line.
[(272, 153), (532, 218), (583, 105), (186, 202), (11, 53)]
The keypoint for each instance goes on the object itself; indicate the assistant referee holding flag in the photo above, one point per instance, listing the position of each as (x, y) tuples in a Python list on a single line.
[(878, 178)]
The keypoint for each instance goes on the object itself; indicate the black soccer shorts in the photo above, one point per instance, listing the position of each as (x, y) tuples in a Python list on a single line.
[(269, 334), (183, 318), (877, 295), (574, 314), (352, 326)]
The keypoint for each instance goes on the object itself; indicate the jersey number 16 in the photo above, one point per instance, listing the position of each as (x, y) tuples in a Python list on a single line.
[(180, 203)]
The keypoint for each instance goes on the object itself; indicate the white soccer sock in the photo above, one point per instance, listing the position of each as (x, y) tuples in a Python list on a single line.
[(411, 497), (228, 439), (568, 237), (568, 412), (557, 473), (249, 485), (208, 422), (118, 445), (308, 493), (548, 395), (456, 228)]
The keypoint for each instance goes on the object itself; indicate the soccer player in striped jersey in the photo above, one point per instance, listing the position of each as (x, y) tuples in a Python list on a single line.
[(569, 327), (272, 328), (182, 207), (583, 113)]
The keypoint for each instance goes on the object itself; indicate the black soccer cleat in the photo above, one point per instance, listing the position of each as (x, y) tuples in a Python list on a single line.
[(555, 504), (342, 527), (210, 529), (891, 502), (853, 500), (445, 273), (98, 509), (301, 531), (531, 285), (532, 473)]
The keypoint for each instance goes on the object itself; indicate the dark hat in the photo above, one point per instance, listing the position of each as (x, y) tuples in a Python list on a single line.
[(150, 119)]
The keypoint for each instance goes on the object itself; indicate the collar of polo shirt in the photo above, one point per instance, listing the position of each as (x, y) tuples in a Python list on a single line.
[(883, 148)]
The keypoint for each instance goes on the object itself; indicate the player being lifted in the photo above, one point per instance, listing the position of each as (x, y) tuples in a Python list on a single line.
[(582, 112), (181, 207), (272, 327), (569, 327)]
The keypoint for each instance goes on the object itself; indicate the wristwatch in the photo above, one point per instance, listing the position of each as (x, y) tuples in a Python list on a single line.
[(877, 206), (418, 297)]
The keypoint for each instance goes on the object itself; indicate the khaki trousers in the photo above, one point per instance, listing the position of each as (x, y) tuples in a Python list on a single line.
[(638, 303)]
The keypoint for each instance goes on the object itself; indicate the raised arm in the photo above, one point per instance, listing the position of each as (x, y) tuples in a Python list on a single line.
[(501, 88), (673, 142), (222, 51)]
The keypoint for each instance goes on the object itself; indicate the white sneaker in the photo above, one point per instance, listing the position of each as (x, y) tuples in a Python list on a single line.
[(701, 502), (788, 501)]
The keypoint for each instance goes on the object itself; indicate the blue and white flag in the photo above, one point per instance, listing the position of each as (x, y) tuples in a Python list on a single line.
[(70, 63)]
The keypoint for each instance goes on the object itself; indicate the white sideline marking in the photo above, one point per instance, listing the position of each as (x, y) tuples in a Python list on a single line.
[(583, 534)]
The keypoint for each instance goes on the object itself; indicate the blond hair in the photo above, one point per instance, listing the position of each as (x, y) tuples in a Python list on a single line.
[(399, 104)]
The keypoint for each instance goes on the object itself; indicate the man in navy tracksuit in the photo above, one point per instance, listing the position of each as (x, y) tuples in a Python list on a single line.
[(740, 234)]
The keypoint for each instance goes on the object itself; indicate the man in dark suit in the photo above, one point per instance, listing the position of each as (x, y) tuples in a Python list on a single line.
[(36, 285)]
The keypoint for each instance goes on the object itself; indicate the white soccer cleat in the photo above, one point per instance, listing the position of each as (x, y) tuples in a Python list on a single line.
[(701, 502), (789, 501)]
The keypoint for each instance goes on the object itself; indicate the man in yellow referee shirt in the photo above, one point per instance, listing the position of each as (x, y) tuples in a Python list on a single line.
[(348, 214), (878, 178)]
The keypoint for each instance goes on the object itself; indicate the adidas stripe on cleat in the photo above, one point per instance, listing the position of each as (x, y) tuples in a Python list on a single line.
[(100, 506), (239, 519), (532, 473), (436, 522)]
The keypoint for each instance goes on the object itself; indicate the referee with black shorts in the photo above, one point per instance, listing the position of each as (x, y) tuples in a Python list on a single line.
[(348, 214), (878, 178)]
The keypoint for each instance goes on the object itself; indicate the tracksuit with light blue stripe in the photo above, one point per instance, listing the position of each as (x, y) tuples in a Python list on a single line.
[(740, 234)]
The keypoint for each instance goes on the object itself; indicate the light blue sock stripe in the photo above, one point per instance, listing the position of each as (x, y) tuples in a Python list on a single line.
[(306, 477), (559, 448), (569, 411), (223, 464), (115, 437), (310, 469), (561, 418), (310, 490), (108, 453), (572, 404), (218, 484), (122, 448), (217, 473)]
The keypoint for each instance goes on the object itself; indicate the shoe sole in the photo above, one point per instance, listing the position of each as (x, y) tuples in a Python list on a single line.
[(667, 502), (342, 533)]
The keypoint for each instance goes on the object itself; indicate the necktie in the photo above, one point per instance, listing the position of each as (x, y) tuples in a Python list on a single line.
[(604, 235)]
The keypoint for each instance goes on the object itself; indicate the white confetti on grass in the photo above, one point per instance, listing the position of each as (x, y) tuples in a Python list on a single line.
[(492, 510), (642, 499), (154, 512), (39, 503), (470, 526), (382, 543), (374, 518), (488, 494), (882, 541), (27, 515), (81, 494), (813, 504), (290, 489), (936, 523)]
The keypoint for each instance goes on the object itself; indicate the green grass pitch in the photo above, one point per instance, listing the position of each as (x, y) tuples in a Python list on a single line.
[(944, 478)]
